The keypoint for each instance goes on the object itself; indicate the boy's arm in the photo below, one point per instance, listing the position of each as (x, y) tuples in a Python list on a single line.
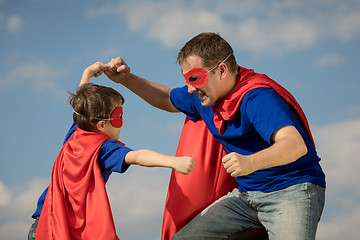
[(93, 70), (153, 93), (148, 158)]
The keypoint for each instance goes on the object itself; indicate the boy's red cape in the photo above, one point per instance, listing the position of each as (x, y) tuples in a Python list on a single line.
[(190, 194), (76, 205)]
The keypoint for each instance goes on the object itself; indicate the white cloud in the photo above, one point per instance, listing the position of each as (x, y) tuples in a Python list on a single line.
[(174, 127), (338, 145), (273, 27), (344, 226), (346, 23), (15, 213), (40, 75), (137, 200), (14, 230), (138, 196), (14, 24), (5, 195), (172, 28), (109, 53), (328, 60)]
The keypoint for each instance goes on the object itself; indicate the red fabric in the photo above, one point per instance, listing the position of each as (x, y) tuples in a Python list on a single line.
[(248, 80), (76, 204), (190, 194)]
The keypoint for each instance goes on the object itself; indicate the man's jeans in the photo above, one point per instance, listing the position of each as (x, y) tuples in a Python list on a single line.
[(31, 234), (291, 213)]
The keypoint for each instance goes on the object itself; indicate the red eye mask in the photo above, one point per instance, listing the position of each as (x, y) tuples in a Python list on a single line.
[(196, 77), (116, 117)]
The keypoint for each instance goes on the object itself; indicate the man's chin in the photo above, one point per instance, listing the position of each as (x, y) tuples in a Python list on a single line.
[(206, 103), (205, 100)]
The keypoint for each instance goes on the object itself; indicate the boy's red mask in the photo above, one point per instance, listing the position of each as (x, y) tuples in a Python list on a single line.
[(116, 117)]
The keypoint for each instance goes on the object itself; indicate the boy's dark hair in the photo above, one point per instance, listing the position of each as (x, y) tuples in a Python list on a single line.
[(92, 102), (211, 48)]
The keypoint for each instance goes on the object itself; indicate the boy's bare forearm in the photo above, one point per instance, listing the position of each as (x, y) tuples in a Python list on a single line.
[(93, 70), (148, 158)]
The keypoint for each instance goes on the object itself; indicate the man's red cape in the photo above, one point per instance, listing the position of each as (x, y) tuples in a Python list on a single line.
[(76, 204), (190, 194)]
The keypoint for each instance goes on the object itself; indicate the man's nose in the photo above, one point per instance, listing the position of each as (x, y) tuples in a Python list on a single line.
[(191, 89)]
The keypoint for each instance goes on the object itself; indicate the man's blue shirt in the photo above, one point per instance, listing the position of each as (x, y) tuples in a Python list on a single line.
[(261, 113)]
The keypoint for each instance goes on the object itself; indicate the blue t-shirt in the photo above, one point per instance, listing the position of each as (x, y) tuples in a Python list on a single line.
[(110, 159), (261, 113)]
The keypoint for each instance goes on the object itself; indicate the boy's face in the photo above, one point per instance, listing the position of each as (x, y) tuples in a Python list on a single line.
[(108, 128), (111, 131), (116, 118)]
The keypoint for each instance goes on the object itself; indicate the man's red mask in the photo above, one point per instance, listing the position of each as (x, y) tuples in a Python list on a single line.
[(198, 77)]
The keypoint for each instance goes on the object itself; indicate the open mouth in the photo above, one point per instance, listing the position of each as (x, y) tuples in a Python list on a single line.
[(202, 95)]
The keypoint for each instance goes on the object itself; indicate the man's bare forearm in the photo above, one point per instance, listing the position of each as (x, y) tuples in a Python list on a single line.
[(153, 93)]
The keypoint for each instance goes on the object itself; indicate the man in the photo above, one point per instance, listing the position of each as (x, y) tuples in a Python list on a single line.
[(270, 150)]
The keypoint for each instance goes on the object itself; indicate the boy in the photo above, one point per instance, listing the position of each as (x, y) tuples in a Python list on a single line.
[(76, 204)]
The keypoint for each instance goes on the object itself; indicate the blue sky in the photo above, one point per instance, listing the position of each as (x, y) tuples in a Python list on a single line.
[(310, 47)]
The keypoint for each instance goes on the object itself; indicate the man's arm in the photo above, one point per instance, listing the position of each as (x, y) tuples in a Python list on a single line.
[(153, 93), (288, 147)]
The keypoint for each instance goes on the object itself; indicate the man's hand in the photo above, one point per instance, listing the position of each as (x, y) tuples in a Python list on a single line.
[(288, 146), (117, 70), (238, 165)]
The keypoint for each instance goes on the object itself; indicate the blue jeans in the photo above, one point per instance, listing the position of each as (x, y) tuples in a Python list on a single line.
[(291, 213), (31, 234)]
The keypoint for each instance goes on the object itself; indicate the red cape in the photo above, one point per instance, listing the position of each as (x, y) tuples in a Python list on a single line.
[(76, 205), (190, 194), (248, 80)]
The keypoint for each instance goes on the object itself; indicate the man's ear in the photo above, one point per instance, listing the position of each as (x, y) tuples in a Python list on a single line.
[(223, 69)]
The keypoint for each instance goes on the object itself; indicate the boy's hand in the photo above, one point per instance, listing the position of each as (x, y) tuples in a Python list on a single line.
[(96, 69), (117, 70), (93, 70), (184, 165)]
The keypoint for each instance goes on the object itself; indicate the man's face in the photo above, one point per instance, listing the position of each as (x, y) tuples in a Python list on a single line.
[(209, 93)]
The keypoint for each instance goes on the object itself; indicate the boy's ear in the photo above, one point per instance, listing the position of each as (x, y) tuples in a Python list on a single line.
[(100, 125)]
